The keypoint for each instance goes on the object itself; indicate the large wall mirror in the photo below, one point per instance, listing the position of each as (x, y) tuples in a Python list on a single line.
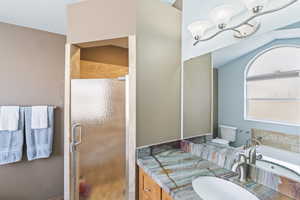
[(248, 96), (197, 96)]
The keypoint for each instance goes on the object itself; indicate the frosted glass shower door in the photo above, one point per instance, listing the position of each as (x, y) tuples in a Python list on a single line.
[(98, 106)]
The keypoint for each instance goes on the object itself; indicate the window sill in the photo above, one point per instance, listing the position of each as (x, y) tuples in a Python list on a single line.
[(272, 122)]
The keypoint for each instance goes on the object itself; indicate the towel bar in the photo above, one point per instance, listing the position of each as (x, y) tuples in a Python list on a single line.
[(30, 105)]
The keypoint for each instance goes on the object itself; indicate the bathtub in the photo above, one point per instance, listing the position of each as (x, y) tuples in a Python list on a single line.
[(281, 162)]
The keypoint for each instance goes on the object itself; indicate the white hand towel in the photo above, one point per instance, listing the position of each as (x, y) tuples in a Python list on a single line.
[(39, 117), (9, 118)]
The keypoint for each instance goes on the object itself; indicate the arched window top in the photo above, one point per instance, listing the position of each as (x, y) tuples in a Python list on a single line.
[(278, 59), (272, 86)]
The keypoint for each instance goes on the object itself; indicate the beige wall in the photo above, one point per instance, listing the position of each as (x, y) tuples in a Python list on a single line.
[(197, 96), (94, 20), (158, 72), (157, 27), (32, 72)]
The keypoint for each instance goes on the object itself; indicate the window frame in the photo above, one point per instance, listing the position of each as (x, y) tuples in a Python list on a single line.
[(250, 63)]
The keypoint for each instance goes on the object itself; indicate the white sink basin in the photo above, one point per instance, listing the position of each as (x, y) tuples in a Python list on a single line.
[(212, 188)]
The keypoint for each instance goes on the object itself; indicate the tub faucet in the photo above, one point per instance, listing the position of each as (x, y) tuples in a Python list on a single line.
[(241, 167), (256, 141)]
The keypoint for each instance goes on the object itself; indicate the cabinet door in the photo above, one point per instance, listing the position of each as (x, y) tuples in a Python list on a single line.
[(166, 196), (148, 189)]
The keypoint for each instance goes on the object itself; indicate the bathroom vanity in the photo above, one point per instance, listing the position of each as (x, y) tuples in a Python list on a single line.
[(167, 171), (149, 189)]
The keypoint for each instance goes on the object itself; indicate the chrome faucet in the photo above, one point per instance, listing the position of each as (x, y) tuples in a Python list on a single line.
[(251, 145), (252, 153), (241, 167)]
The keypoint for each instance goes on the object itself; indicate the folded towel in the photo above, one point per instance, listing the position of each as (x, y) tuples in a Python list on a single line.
[(11, 142), (9, 118), (39, 141), (39, 117)]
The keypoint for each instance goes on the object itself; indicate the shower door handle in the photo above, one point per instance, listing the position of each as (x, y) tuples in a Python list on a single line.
[(75, 143)]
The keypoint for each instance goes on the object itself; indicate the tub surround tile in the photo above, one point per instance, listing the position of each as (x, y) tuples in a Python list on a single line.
[(200, 139), (221, 155), (278, 140), (155, 149), (185, 144), (289, 188), (278, 183)]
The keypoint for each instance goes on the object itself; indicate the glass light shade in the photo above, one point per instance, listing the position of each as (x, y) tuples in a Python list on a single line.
[(199, 28), (222, 15), (253, 4), (171, 2)]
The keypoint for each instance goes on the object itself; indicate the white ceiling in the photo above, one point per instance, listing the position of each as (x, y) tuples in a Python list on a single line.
[(47, 15)]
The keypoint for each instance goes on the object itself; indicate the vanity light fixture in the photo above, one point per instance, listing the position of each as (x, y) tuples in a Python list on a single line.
[(199, 28), (221, 16), (255, 6)]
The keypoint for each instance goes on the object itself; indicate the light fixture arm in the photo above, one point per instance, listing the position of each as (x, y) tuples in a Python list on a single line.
[(245, 22), (248, 24)]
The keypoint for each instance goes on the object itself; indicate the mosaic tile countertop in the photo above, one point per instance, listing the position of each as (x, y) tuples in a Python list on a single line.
[(181, 168)]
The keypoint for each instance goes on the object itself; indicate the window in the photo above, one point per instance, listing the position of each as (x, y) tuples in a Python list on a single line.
[(273, 86)]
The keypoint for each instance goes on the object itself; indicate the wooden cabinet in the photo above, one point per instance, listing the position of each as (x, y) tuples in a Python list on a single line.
[(149, 189), (165, 196)]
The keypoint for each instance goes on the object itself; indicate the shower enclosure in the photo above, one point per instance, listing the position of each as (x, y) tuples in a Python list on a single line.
[(100, 120), (98, 139)]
